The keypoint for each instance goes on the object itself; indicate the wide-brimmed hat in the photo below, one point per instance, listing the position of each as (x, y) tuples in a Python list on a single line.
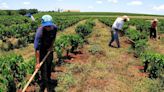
[(155, 20), (126, 17)]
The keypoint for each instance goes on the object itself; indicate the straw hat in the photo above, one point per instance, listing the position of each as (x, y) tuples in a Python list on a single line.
[(155, 20), (126, 17)]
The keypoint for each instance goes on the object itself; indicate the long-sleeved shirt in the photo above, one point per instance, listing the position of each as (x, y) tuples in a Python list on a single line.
[(118, 24), (44, 39)]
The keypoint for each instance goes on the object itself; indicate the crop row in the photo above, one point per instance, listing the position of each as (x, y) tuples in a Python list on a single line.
[(69, 43), (22, 29), (153, 62), (13, 72)]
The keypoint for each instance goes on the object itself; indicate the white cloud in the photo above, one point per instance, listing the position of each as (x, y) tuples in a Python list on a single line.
[(4, 6), (113, 1), (135, 3), (159, 8), (26, 3), (99, 1)]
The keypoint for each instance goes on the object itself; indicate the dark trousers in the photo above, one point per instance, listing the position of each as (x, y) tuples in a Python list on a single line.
[(153, 33), (46, 72), (114, 36)]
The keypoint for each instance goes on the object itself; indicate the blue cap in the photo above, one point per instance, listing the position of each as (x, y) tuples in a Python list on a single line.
[(47, 21)]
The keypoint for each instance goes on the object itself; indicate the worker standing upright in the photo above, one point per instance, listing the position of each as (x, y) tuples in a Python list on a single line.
[(153, 29), (116, 27), (44, 39)]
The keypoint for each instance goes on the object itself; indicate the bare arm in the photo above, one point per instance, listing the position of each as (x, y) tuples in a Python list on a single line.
[(37, 48), (37, 54)]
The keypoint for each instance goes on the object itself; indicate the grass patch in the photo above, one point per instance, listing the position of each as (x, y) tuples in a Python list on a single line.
[(95, 49), (66, 81), (162, 40), (148, 85)]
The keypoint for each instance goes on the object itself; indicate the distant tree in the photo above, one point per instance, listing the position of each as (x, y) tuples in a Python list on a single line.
[(22, 11), (11, 12), (33, 11), (3, 12)]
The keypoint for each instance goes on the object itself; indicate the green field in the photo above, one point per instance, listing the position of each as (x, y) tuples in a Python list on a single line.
[(90, 65)]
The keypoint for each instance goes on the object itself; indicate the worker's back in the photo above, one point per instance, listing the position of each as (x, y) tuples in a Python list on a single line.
[(118, 24)]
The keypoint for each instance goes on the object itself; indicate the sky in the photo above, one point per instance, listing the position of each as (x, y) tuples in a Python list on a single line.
[(130, 6)]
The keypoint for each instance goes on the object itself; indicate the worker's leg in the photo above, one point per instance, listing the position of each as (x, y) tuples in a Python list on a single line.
[(155, 33), (43, 73), (151, 32), (49, 67), (49, 64), (117, 39), (112, 38)]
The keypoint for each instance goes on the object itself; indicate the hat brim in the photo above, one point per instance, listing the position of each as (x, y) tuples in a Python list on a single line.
[(128, 19), (47, 24), (156, 20)]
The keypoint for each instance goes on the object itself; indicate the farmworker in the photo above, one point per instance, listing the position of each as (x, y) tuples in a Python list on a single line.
[(44, 39), (30, 16), (116, 27), (153, 29)]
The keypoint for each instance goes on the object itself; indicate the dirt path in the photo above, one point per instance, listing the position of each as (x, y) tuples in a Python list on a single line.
[(123, 76), (109, 70)]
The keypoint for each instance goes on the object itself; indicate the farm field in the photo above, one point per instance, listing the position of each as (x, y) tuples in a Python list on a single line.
[(88, 63)]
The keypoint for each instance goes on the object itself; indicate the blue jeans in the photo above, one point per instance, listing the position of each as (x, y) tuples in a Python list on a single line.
[(114, 36)]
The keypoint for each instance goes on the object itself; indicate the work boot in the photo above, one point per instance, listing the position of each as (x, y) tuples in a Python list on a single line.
[(110, 45), (60, 62)]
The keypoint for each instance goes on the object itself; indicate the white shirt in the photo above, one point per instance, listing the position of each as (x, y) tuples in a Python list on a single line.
[(33, 19), (118, 24)]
